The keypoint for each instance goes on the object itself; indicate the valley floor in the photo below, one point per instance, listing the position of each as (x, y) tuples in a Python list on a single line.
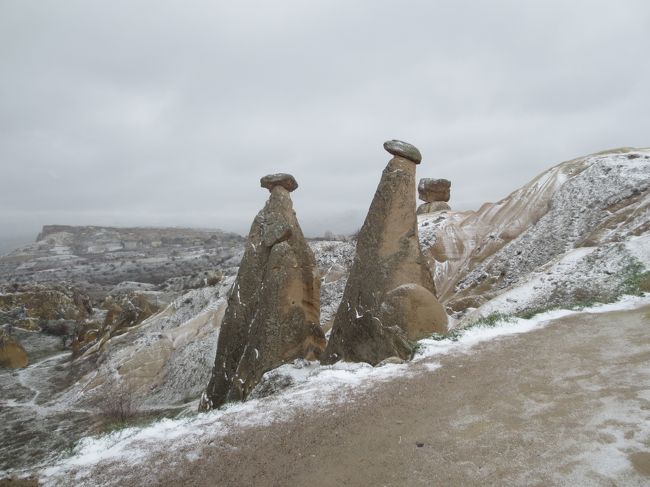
[(566, 404)]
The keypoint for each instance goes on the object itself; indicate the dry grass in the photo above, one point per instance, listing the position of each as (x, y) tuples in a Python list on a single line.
[(118, 404)]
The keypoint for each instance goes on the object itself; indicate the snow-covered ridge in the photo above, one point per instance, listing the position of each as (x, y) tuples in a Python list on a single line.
[(595, 201)]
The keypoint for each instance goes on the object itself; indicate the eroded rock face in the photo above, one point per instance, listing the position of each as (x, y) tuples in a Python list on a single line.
[(389, 300), (123, 310), (430, 190), (274, 306)]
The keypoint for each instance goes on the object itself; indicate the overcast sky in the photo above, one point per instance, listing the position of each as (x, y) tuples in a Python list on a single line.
[(168, 113)]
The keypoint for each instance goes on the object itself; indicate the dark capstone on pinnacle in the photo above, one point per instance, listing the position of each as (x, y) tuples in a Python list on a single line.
[(403, 149), (287, 181)]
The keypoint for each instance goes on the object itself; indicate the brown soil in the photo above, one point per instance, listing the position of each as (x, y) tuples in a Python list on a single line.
[(641, 462), (531, 409), (18, 482)]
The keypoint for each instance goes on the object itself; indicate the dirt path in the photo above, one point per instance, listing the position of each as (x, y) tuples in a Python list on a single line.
[(568, 404)]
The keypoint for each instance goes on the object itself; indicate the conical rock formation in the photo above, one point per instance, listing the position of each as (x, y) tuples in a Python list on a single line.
[(274, 306), (389, 300)]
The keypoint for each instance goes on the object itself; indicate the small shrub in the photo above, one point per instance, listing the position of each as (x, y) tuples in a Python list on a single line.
[(453, 335), (488, 321), (491, 320), (60, 328), (214, 280), (636, 280), (118, 404), (529, 313)]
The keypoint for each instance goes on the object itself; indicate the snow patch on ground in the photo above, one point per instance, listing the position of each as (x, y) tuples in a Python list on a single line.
[(582, 274), (608, 457), (471, 337), (639, 247)]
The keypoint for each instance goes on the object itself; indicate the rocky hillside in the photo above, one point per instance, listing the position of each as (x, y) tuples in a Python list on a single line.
[(577, 233), (85, 285), (101, 257), (141, 308), (92, 345)]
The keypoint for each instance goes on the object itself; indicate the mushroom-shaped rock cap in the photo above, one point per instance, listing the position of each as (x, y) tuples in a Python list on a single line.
[(287, 181), (403, 149)]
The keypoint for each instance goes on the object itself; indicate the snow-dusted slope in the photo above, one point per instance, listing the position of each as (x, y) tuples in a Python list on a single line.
[(596, 201), (165, 360)]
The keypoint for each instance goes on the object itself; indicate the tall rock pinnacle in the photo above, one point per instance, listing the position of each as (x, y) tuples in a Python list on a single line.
[(274, 306), (389, 299)]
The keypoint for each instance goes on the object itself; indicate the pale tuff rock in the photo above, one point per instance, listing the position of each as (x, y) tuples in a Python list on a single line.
[(273, 309), (411, 305), (403, 149), (389, 299), (433, 207), (430, 190)]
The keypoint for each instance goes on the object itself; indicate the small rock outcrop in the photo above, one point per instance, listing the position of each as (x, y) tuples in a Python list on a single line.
[(433, 207), (274, 306), (435, 193), (46, 302), (389, 299), (12, 354), (124, 309)]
